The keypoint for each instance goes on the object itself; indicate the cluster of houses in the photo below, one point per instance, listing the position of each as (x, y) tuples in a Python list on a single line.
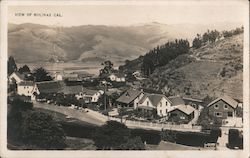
[(33, 89), (175, 108)]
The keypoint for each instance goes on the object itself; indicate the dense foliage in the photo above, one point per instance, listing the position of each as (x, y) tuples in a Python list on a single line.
[(115, 135), (235, 139), (11, 65), (191, 138), (34, 130), (212, 36), (107, 68), (162, 55), (24, 69), (40, 129), (40, 74)]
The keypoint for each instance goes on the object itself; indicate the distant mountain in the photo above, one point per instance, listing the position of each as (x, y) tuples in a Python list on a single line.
[(95, 43), (214, 69)]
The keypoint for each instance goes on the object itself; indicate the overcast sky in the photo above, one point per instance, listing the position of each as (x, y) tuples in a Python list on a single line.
[(128, 14)]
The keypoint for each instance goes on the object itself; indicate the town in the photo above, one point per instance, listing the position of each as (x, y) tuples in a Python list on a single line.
[(117, 96)]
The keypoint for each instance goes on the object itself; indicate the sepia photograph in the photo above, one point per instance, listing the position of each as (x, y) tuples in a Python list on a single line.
[(121, 76)]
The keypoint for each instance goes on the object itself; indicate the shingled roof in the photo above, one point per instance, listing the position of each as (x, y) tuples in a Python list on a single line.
[(129, 96), (187, 109), (71, 89), (49, 86), (26, 83), (233, 103), (154, 98), (176, 100)]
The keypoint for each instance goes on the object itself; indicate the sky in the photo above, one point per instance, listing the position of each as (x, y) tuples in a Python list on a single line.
[(76, 15)]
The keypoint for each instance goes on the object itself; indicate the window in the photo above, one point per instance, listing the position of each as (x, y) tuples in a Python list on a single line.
[(225, 106), (216, 106), (230, 114), (166, 110), (28, 92), (182, 117), (147, 103), (218, 114), (160, 104)]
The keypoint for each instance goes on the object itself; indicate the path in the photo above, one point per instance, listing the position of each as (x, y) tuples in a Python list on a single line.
[(78, 114)]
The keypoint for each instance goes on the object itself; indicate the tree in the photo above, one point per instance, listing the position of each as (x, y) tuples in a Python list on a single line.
[(41, 74), (24, 69), (197, 42), (41, 130), (133, 144), (111, 135), (108, 68), (11, 65), (16, 108)]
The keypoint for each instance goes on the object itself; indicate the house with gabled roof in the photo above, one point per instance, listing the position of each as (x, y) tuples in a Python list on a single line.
[(47, 87), (223, 107), (91, 96), (16, 77), (182, 113), (129, 99), (26, 88), (151, 104), (176, 100)]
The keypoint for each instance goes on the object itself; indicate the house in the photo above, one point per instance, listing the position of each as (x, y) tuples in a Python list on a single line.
[(26, 88), (59, 76), (129, 99), (75, 90), (195, 103), (91, 96), (16, 78), (182, 113), (47, 87), (154, 104), (223, 107), (176, 100), (117, 77)]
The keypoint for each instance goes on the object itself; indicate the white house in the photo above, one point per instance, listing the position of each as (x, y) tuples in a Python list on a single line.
[(58, 76), (16, 77), (26, 88), (154, 102), (90, 95)]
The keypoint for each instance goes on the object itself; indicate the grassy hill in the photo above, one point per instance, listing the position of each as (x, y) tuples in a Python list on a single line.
[(94, 43), (213, 69)]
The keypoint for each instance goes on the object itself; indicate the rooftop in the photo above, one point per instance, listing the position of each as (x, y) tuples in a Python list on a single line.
[(49, 86), (26, 83), (128, 96), (187, 109), (226, 99), (176, 100)]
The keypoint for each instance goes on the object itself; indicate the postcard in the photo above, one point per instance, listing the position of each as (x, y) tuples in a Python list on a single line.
[(124, 79)]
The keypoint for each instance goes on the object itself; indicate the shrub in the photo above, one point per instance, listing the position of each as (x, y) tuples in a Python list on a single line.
[(235, 139)]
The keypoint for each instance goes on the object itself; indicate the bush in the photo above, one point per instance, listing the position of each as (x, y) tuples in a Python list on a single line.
[(234, 139), (41, 130)]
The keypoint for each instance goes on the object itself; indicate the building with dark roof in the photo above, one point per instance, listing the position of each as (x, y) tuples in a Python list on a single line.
[(223, 107), (48, 87), (182, 114), (129, 99)]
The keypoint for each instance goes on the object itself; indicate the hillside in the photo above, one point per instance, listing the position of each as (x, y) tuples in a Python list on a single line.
[(94, 43), (213, 69)]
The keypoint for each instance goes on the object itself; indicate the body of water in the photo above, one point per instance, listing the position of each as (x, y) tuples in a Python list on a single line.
[(68, 67)]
